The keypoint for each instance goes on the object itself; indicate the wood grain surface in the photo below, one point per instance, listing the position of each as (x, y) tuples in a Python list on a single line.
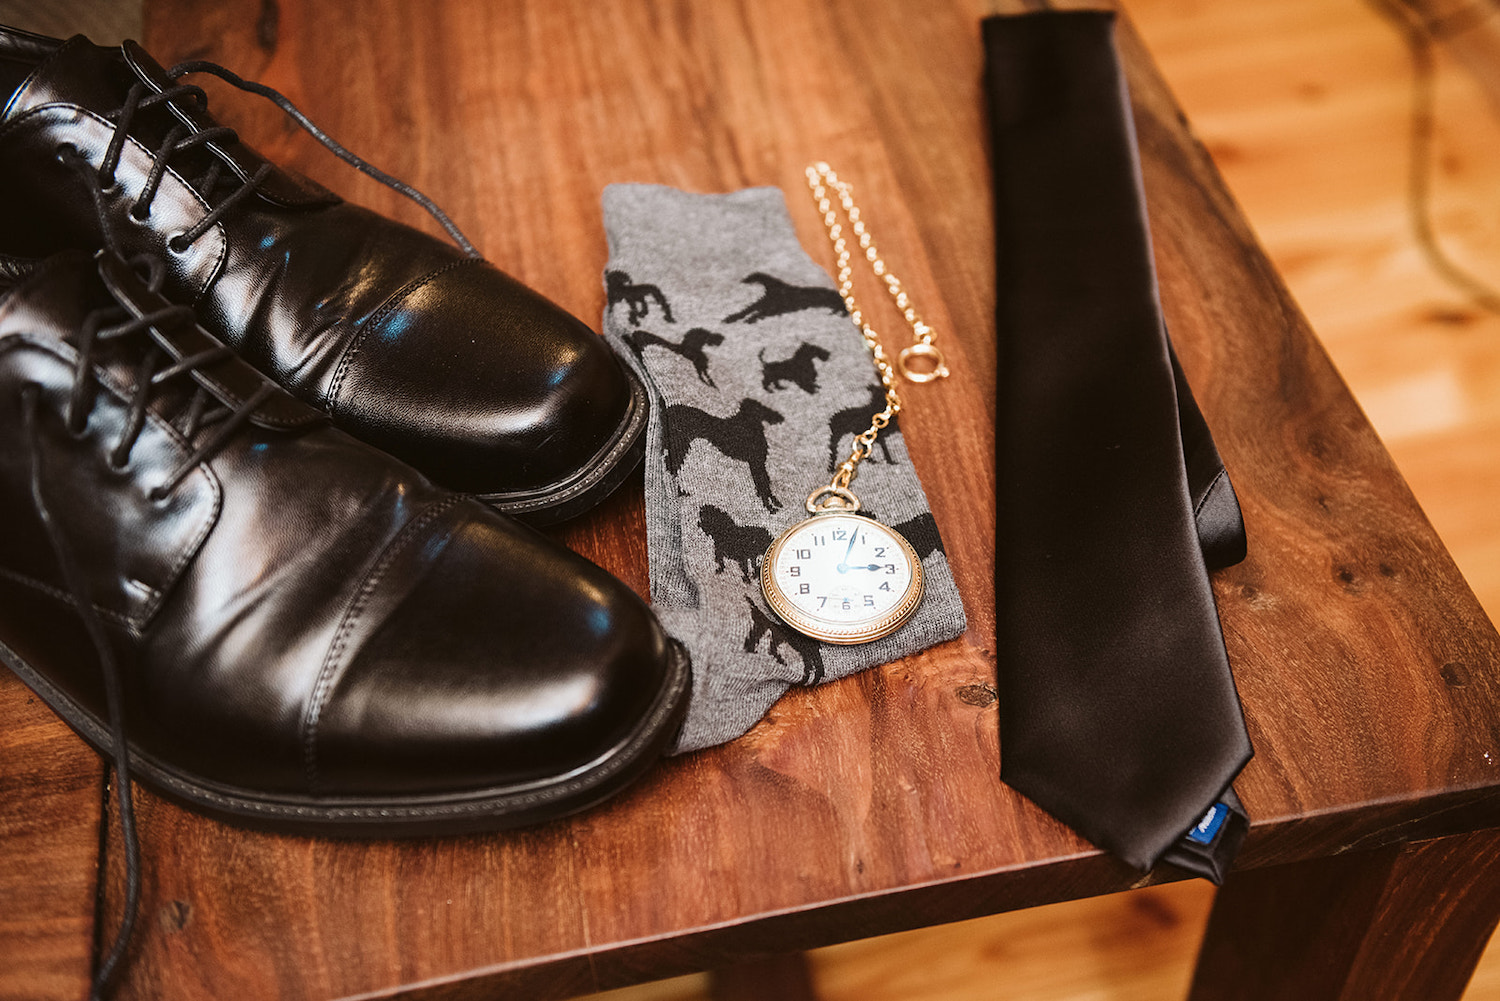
[(51, 787), (1365, 664)]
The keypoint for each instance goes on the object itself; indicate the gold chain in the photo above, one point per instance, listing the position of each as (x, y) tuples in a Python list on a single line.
[(820, 177)]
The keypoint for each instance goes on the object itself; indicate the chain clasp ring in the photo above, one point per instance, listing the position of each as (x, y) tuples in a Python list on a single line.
[(930, 354)]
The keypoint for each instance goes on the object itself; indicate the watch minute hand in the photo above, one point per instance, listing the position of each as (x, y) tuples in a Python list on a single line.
[(853, 538)]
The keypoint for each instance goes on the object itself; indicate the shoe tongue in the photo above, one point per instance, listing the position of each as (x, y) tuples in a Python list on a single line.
[(98, 78), (79, 72)]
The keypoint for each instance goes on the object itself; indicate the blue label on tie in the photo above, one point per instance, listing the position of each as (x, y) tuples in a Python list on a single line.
[(1208, 828)]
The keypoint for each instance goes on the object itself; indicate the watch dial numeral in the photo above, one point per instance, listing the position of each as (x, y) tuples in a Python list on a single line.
[(794, 571), (885, 586), (804, 588), (839, 535), (869, 601), (804, 554), (880, 552), (890, 568)]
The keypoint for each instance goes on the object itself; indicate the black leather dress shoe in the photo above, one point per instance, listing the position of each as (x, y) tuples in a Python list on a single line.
[(302, 632), (407, 342)]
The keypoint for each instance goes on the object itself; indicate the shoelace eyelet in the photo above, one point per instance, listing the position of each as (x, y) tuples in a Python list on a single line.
[(177, 245), (140, 214), (70, 155), (156, 495), (36, 390)]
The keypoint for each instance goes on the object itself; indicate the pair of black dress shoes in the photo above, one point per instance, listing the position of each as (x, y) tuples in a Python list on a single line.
[(259, 453)]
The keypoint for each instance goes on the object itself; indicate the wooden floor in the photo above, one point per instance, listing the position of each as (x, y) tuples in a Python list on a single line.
[(1305, 107)]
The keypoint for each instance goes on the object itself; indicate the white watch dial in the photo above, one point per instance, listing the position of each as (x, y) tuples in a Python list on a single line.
[(842, 578)]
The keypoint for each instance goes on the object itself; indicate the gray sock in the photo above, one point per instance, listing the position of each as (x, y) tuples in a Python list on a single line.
[(759, 383)]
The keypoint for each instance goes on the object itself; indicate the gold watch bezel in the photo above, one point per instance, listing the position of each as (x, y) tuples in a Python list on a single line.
[(827, 630)]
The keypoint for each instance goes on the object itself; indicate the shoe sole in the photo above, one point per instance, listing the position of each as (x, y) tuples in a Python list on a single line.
[(397, 816), (597, 480)]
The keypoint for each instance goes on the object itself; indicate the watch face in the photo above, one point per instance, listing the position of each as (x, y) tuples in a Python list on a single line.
[(842, 578)]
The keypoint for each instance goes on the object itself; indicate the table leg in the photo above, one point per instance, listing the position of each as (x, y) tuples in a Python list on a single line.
[(1408, 921), (770, 978)]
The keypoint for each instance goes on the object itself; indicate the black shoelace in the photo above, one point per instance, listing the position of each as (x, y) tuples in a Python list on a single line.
[(114, 323), (181, 138)]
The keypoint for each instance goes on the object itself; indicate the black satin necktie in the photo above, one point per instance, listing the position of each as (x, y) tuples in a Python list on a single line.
[(1118, 713)]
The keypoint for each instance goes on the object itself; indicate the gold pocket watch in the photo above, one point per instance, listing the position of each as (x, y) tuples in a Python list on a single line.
[(839, 576)]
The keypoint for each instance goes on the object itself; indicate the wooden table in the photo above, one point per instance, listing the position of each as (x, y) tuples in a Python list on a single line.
[(1367, 670)]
